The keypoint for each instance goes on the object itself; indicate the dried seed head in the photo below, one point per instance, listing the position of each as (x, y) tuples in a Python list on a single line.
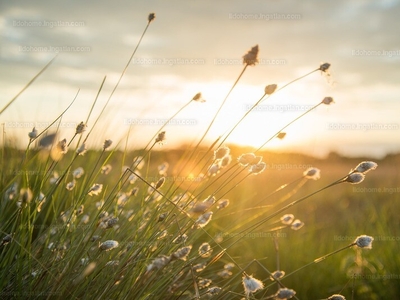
[(108, 245), (204, 219), (95, 189), (181, 253), (198, 98), (270, 89), (229, 266), (205, 250), (80, 128), (328, 100), (251, 284), (151, 17), (287, 219), (297, 224), (161, 137), (365, 167), (277, 275), (82, 149), (221, 152), (160, 183), (107, 143), (355, 178), (336, 297), (364, 241), (312, 173), (284, 293), (324, 67), (78, 172), (281, 135), (258, 168), (251, 57), (33, 134)]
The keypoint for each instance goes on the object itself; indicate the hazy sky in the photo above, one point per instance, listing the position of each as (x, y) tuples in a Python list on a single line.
[(196, 46)]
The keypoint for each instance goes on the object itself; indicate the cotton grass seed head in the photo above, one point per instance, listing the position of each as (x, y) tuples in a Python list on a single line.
[(205, 250), (26, 195), (277, 275), (108, 245), (95, 189), (287, 219), (222, 203), (78, 172), (160, 183), (284, 293), (251, 284), (204, 219), (246, 159), (270, 89), (336, 297), (82, 149), (33, 134), (355, 178), (312, 173), (365, 167), (258, 168), (213, 290), (251, 57), (181, 253), (226, 161), (221, 152), (159, 263), (297, 224), (364, 241)]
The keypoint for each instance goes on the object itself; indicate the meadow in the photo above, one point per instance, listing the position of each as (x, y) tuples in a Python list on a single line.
[(203, 221)]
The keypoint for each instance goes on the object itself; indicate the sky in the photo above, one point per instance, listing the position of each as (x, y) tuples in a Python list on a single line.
[(197, 46)]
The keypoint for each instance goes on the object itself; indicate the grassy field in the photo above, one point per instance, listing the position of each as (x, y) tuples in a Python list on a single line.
[(54, 252)]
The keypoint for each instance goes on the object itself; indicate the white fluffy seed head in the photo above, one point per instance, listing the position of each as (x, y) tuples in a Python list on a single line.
[(355, 178), (284, 293), (365, 167), (327, 100), (336, 297), (258, 168), (364, 241), (312, 173), (287, 219), (221, 152), (108, 245), (277, 275), (205, 250), (297, 224), (251, 284), (181, 253)]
